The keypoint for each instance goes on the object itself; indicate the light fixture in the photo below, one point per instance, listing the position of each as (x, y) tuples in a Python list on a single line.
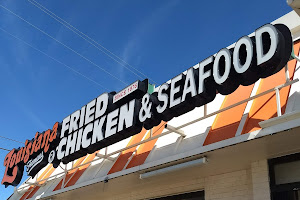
[(173, 168)]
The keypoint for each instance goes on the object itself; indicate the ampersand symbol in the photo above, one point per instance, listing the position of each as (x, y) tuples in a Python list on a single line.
[(146, 108)]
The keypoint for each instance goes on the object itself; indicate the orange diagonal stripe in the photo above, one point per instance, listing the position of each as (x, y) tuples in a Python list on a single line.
[(144, 149), (265, 107), (226, 123), (125, 155), (77, 174), (33, 189), (69, 174)]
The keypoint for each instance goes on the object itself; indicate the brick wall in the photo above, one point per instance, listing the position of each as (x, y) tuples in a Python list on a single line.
[(260, 179), (230, 186), (245, 184)]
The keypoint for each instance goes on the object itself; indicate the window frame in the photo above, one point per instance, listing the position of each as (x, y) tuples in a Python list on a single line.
[(286, 186), (182, 195)]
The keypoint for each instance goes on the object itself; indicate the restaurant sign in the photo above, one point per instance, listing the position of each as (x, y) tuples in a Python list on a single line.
[(112, 117)]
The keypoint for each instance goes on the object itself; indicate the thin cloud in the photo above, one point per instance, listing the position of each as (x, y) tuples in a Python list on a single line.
[(145, 29), (17, 96)]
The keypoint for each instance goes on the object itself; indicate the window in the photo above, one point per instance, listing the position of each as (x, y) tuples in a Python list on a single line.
[(285, 177), (186, 196)]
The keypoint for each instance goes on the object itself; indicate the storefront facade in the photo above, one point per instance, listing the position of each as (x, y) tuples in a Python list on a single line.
[(244, 145)]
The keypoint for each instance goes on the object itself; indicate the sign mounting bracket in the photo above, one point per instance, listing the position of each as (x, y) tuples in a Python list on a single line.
[(175, 130)]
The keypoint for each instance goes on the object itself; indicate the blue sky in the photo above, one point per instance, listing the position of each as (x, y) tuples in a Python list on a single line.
[(159, 38)]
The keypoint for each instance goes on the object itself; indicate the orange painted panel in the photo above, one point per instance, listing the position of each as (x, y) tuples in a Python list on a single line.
[(33, 189), (69, 174), (144, 149), (24, 196), (125, 155), (226, 123), (72, 180), (47, 174), (265, 107)]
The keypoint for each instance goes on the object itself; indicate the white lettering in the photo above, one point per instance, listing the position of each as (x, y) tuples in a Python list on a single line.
[(89, 113), (202, 74), (126, 115), (239, 68), (60, 152), (111, 125), (74, 121), (189, 84), (174, 90), (163, 97), (65, 126), (219, 79), (85, 140), (97, 131), (71, 143), (263, 56), (101, 105)]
